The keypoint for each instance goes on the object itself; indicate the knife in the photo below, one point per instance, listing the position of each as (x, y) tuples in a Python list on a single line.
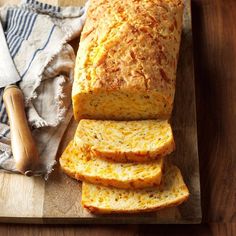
[(23, 146)]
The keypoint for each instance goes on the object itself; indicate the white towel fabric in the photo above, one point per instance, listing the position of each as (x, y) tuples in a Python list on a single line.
[(37, 35)]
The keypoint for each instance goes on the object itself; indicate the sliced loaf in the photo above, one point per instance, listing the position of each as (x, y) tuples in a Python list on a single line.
[(124, 141), (82, 166), (127, 59), (104, 200)]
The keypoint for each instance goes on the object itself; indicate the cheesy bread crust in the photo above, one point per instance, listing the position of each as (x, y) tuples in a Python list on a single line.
[(125, 141), (83, 167), (127, 60), (104, 200)]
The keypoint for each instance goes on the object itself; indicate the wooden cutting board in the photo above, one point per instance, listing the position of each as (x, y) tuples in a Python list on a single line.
[(32, 200)]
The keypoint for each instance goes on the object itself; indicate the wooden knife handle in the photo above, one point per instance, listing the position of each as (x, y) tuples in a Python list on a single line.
[(23, 146)]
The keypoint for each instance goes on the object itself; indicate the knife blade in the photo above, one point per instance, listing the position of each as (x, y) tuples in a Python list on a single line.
[(9, 74), (23, 146)]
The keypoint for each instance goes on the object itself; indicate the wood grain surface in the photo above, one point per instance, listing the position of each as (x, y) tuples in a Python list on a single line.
[(214, 34), (58, 199), (119, 230), (215, 56)]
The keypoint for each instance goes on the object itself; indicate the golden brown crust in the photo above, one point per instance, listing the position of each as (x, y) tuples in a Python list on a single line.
[(136, 157), (135, 184), (130, 46), (97, 210), (68, 164), (99, 200), (125, 141)]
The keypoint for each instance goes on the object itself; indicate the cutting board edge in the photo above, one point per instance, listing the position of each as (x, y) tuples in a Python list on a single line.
[(88, 220)]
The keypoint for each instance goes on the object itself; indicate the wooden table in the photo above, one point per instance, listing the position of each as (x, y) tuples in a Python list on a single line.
[(214, 32)]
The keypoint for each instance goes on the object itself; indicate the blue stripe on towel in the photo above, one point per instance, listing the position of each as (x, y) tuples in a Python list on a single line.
[(17, 13), (38, 50), (29, 30), (14, 24), (7, 20), (3, 112), (1, 102), (4, 135), (10, 15), (5, 117), (19, 28), (24, 17), (26, 34), (27, 24), (10, 24), (1, 107)]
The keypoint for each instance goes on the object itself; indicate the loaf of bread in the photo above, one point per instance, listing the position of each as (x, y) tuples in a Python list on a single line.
[(83, 167), (104, 200), (124, 141), (127, 59)]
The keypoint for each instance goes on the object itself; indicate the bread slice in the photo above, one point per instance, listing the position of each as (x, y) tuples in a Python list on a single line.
[(105, 200), (123, 141), (81, 166)]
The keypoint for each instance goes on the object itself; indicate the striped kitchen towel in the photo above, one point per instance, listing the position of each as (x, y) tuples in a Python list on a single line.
[(37, 35)]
